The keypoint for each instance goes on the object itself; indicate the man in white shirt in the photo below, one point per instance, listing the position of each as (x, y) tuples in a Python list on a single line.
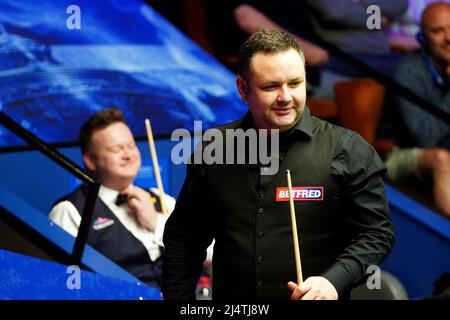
[(126, 229)]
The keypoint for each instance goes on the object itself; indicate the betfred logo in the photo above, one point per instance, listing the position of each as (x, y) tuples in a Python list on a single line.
[(300, 194)]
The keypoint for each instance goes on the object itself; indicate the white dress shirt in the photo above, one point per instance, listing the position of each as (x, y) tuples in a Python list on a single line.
[(67, 217)]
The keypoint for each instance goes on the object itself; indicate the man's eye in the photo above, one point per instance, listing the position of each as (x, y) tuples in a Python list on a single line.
[(436, 31), (269, 88), (294, 84)]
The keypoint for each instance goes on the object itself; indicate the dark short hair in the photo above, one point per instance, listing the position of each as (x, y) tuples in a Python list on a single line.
[(98, 121), (267, 41)]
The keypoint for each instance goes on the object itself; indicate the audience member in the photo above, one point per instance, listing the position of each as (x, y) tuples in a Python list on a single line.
[(127, 226), (233, 21), (403, 30), (423, 139), (344, 24)]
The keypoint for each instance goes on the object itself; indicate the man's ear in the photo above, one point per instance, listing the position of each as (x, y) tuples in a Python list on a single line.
[(88, 161), (423, 41), (241, 85)]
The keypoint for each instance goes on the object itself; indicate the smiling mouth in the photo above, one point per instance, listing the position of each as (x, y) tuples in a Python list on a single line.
[(128, 164), (282, 111)]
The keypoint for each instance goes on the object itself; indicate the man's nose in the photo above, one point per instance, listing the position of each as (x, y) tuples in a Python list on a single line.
[(284, 95), (126, 153)]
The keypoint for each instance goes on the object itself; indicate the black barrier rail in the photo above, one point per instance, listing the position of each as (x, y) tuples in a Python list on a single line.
[(69, 165), (384, 79)]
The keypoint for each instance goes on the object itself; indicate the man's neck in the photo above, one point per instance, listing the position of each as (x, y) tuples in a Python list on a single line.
[(118, 186)]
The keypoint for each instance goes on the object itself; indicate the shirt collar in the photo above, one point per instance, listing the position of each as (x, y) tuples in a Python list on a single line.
[(438, 80), (303, 126), (107, 195)]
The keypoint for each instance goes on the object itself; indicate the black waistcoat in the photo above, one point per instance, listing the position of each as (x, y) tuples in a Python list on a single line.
[(117, 243), (254, 253)]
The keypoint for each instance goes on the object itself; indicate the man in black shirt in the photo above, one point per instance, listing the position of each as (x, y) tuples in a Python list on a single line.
[(342, 214)]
